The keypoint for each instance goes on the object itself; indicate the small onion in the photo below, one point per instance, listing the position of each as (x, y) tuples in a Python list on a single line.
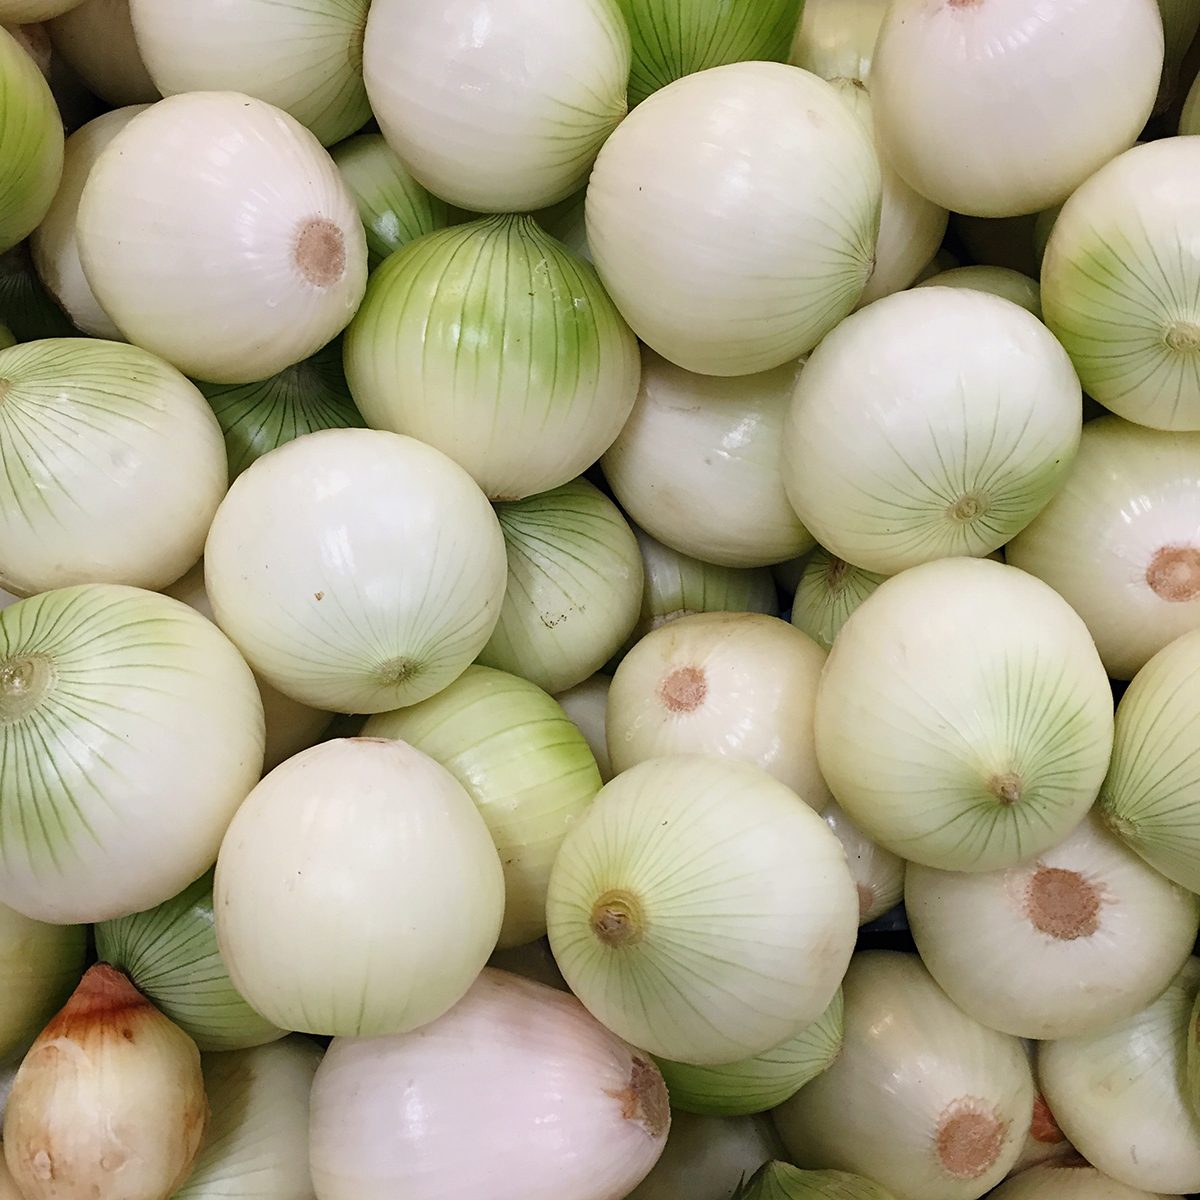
[(701, 910), (878, 873), (999, 281), (26, 308), (829, 590), (96, 40), (1071, 1180), (782, 1181), (585, 705), (836, 38)]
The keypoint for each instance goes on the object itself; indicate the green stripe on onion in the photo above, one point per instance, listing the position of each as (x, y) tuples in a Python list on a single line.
[(782, 1181), (828, 592)]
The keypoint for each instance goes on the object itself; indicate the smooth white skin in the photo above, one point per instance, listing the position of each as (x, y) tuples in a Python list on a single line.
[(836, 38), (910, 1059), (917, 405), (697, 464), (586, 704), (742, 685), (999, 109), (491, 106), (1119, 1094), (878, 873), (1069, 1181), (190, 227), (979, 936), (95, 39), (733, 216), (346, 550), (999, 281), (357, 891), (515, 1094), (1131, 493)]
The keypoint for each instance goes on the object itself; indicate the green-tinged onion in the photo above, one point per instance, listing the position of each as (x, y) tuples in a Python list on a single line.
[(301, 568), (1120, 1094), (765, 1081), (503, 114), (1121, 540), (35, 41), (40, 965), (1181, 19), (972, 742), (935, 422), (130, 731), (259, 417), (574, 586), (303, 56), (170, 954), (878, 873), (829, 590), (999, 281), (698, 466), (567, 221), (321, 878), (763, 161), (836, 38), (701, 910), (534, 960), (395, 209), (26, 308), (494, 343), (585, 704), (922, 1098), (1189, 118), (1074, 1179), (1043, 226), (256, 1144), (1078, 939), (742, 685), (7, 598), (215, 231), (673, 39), (782, 1181), (943, 260), (23, 12), (96, 40), (113, 466), (528, 769)]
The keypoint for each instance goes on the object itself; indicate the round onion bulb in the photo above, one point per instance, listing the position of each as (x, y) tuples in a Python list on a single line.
[(743, 685), (1121, 540), (701, 910), (972, 742), (26, 309), (923, 1098), (782, 1181), (1083, 936), (550, 1103), (1120, 1094), (216, 232), (1074, 1179), (935, 422), (828, 591), (878, 873), (114, 466), (130, 731), (96, 40), (585, 705), (321, 877), (763, 161), (301, 569), (494, 343), (999, 281), (497, 110), (1000, 109), (836, 38), (305, 57)]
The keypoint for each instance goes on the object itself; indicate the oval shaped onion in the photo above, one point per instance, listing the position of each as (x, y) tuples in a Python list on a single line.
[(702, 910), (836, 38), (999, 109), (96, 40), (1121, 540), (585, 705), (877, 873), (829, 590), (999, 281), (493, 107), (130, 731), (301, 569), (1071, 1180), (579, 1114), (216, 232), (763, 161), (924, 1099), (494, 343), (969, 742), (932, 423)]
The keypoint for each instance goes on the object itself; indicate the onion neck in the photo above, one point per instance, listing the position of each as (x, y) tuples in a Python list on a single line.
[(25, 681), (617, 919)]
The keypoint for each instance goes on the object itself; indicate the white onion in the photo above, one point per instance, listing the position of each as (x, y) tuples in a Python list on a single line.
[(877, 873), (733, 216), (1074, 1180), (828, 591), (585, 704), (999, 281), (216, 232), (515, 1094), (96, 40), (836, 38), (492, 107)]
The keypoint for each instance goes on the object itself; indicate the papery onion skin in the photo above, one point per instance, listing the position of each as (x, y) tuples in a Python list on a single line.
[(711, 160), (999, 281), (829, 590), (96, 40), (878, 873), (782, 1181), (585, 705), (26, 308), (836, 38), (494, 343)]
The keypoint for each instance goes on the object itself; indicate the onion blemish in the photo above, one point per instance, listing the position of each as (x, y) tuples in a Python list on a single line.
[(969, 1138), (683, 690), (320, 252), (1174, 573), (645, 1100), (1062, 903)]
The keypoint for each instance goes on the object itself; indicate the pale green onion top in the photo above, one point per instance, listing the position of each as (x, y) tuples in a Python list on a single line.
[(782, 1181), (830, 589)]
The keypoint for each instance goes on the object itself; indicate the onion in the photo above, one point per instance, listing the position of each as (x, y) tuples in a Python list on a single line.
[(1181, 19), (303, 56), (546, 1101), (96, 40), (493, 108), (1080, 938), (574, 586), (585, 705), (737, 684), (528, 769), (999, 281), (1189, 117), (22, 12), (1119, 1094), (932, 423), (492, 342), (701, 910), (321, 874), (996, 110), (1072, 1180), (922, 1098), (733, 217), (26, 309), (964, 720), (877, 873), (829, 590), (216, 232), (836, 38), (1121, 540), (782, 1181), (35, 41), (130, 731), (567, 221), (1193, 1058), (300, 566)]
